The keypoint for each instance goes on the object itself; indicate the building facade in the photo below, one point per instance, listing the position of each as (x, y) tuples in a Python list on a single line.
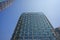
[(33, 26)]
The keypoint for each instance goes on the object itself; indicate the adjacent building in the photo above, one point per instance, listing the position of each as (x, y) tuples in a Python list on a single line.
[(57, 30), (5, 4), (33, 26)]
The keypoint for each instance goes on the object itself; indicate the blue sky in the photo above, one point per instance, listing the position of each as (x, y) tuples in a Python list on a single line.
[(10, 15)]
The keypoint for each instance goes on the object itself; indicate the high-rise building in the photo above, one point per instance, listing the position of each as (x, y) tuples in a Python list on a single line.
[(57, 30), (5, 3), (33, 26)]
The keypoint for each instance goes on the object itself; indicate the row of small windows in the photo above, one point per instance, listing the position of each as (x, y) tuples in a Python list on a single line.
[(36, 34), (38, 28), (36, 38)]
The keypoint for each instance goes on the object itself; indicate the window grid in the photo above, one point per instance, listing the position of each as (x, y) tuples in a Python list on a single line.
[(35, 28)]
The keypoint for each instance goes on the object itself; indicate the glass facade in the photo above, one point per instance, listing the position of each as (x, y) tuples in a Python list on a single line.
[(33, 26)]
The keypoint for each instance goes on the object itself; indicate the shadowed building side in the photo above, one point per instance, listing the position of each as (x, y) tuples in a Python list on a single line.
[(5, 4), (33, 26), (57, 30)]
